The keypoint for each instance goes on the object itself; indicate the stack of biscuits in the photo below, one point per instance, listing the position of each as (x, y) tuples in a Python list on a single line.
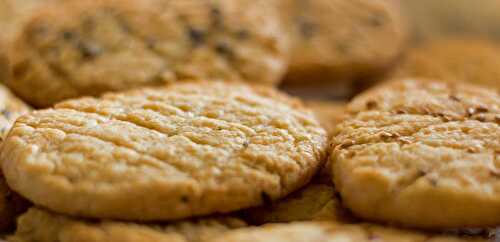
[(243, 121)]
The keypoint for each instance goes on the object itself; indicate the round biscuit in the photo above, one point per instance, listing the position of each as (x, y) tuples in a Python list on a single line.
[(166, 153), (421, 154), (38, 225), (80, 48)]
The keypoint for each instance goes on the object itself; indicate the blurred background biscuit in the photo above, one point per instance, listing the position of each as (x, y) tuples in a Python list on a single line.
[(336, 43), (470, 60), (79, 48)]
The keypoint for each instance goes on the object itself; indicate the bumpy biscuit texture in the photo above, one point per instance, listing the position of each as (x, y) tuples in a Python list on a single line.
[(336, 40), (38, 225), (11, 107), (79, 48), (332, 232), (317, 200), (421, 154), (171, 152), (470, 60)]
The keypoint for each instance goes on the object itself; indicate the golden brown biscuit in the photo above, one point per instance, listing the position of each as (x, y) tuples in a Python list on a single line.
[(38, 225), (79, 48), (171, 152), (13, 13), (333, 232), (432, 19), (470, 60), (316, 201), (4, 70), (421, 154), (339, 41)]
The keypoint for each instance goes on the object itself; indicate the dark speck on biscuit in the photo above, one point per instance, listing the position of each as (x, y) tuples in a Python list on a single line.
[(89, 50), (307, 28), (196, 36), (224, 49), (68, 35), (217, 20)]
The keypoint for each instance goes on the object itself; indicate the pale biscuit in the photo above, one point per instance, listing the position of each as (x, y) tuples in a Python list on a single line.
[(38, 225), (470, 60), (78, 48), (11, 107), (171, 152), (422, 154), (332, 232)]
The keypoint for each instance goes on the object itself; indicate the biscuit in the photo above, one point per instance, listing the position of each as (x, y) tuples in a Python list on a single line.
[(317, 200), (171, 152), (340, 41), (333, 232), (10, 203), (329, 113), (470, 60), (4, 69), (11, 108), (421, 154), (432, 19), (314, 202), (14, 12), (38, 225), (79, 48)]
